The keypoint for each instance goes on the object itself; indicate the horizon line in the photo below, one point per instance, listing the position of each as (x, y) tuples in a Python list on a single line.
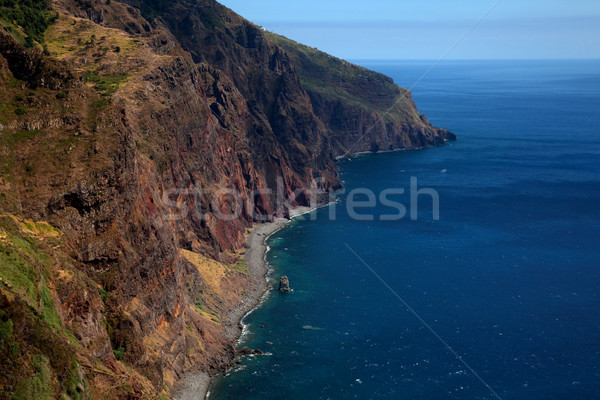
[(476, 59)]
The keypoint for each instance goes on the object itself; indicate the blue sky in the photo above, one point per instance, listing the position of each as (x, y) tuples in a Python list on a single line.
[(426, 29)]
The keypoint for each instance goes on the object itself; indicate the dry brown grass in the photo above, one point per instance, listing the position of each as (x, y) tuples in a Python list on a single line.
[(39, 229), (210, 270), (110, 59), (70, 37)]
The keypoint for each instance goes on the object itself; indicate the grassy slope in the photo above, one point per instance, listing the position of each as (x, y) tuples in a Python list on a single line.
[(27, 20), (33, 341)]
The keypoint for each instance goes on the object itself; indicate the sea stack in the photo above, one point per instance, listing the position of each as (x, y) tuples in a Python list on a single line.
[(284, 284)]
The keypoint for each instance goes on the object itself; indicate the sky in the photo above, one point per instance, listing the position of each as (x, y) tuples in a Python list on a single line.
[(428, 29)]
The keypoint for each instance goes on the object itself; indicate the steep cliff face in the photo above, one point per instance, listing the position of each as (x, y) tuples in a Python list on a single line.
[(286, 85), (136, 151), (362, 110)]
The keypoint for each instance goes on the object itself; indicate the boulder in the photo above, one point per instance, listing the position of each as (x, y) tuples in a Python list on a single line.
[(284, 284), (247, 351)]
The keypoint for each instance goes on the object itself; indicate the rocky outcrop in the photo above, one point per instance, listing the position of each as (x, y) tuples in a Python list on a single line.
[(284, 284), (32, 67), (247, 351)]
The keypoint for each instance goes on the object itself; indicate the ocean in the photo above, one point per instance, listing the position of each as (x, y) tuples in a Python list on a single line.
[(498, 298)]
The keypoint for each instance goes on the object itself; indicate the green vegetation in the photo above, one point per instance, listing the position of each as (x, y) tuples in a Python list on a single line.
[(103, 294), (119, 353), (41, 228), (32, 16), (49, 313), (96, 108), (24, 267), (152, 9), (16, 270), (241, 265), (106, 84), (21, 136), (111, 324), (6, 327), (39, 385), (46, 366), (213, 316), (198, 304), (209, 18), (8, 167), (205, 10), (75, 382), (99, 104)]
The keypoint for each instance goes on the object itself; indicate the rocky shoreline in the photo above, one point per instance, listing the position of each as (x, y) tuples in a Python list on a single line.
[(255, 256), (195, 385)]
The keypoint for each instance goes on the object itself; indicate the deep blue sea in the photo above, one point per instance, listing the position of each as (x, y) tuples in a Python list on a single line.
[(508, 279)]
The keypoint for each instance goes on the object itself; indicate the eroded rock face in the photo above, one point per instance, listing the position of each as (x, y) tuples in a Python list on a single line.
[(32, 67), (284, 284)]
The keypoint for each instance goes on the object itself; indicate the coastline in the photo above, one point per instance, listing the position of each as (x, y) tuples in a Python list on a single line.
[(195, 385)]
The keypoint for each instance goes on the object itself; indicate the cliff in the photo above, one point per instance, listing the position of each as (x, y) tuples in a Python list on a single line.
[(124, 131)]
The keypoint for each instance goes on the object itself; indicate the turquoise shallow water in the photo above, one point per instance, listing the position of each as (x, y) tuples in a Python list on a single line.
[(509, 277)]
